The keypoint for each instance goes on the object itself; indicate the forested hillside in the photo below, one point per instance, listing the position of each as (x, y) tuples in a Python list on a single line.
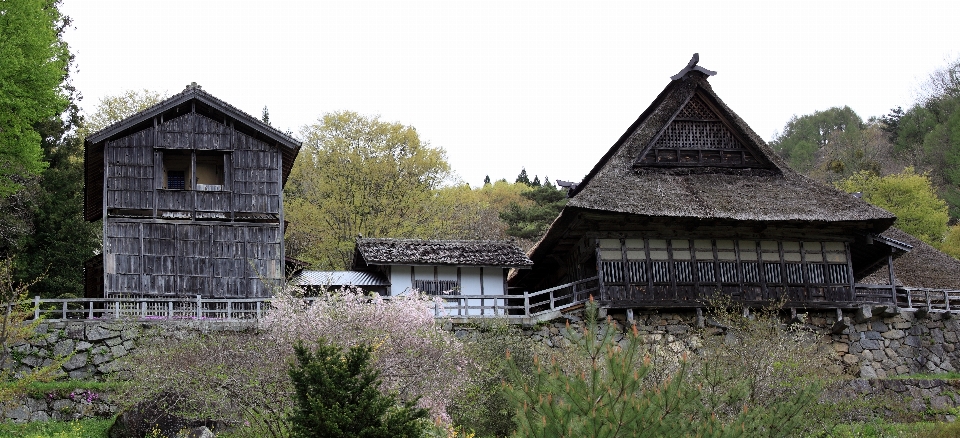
[(906, 161)]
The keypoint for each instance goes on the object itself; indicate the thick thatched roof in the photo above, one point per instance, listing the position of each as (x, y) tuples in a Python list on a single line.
[(760, 186), (690, 160), (923, 266), (439, 252)]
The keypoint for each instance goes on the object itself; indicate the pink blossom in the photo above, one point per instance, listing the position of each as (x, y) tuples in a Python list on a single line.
[(415, 356)]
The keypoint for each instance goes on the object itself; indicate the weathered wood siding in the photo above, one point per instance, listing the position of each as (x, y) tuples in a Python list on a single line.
[(156, 242), (135, 179), (177, 258), (130, 171), (652, 270)]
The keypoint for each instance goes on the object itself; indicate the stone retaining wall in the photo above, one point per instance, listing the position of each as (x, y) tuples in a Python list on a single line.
[(867, 344), (89, 349), (77, 404), (864, 344)]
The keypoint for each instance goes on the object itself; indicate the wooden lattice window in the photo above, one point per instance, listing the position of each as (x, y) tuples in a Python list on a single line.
[(697, 136), (722, 261)]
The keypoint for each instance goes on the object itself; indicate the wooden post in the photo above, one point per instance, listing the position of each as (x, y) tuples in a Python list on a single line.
[(169, 309), (36, 307), (258, 309), (143, 309), (199, 308), (64, 313), (229, 309), (526, 303), (853, 282), (893, 279), (116, 308), (91, 310), (946, 300)]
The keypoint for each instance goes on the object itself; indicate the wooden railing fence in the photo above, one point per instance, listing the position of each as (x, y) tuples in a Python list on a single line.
[(525, 306)]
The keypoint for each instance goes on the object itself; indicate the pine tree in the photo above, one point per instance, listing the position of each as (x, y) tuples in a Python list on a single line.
[(612, 399), (265, 115), (486, 180), (337, 395), (536, 181), (531, 222), (522, 177)]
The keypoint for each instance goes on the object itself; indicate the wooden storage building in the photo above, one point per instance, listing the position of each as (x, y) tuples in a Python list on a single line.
[(691, 202), (190, 192)]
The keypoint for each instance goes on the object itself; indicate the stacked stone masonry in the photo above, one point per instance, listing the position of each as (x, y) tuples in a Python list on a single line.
[(867, 344)]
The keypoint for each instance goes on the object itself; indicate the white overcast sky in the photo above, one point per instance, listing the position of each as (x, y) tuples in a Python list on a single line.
[(549, 86)]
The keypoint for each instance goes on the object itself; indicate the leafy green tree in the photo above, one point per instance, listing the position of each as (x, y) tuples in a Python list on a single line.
[(337, 395), (951, 243), (832, 144), (114, 108), (532, 220), (908, 195), (927, 135), (33, 70), (61, 240), (358, 175)]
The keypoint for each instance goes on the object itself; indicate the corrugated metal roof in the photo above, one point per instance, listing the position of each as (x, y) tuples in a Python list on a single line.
[(340, 278)]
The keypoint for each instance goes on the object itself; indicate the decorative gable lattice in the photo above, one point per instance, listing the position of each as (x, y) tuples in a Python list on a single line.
[(697, 137)]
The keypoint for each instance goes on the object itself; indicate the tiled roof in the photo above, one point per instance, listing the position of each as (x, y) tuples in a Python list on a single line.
[(441, 252)]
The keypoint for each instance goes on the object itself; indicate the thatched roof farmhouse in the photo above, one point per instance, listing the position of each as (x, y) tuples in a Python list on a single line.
[(691, 201)]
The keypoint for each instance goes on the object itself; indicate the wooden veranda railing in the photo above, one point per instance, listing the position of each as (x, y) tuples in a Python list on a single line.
[(542, 304), (525, 305)]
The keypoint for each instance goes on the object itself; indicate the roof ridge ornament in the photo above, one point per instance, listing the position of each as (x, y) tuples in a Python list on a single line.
[(692, 66), (192, 86)]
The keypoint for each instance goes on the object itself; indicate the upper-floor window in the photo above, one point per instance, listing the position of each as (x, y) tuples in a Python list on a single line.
[(189, 170), (210, 171)]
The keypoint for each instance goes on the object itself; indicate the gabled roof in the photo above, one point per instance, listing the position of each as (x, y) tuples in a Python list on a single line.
[(730, 172), (195, 92), (923, 266), (372, 252), (191, 100)]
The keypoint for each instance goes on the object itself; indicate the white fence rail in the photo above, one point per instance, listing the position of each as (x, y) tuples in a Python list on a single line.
[(523, 305)]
